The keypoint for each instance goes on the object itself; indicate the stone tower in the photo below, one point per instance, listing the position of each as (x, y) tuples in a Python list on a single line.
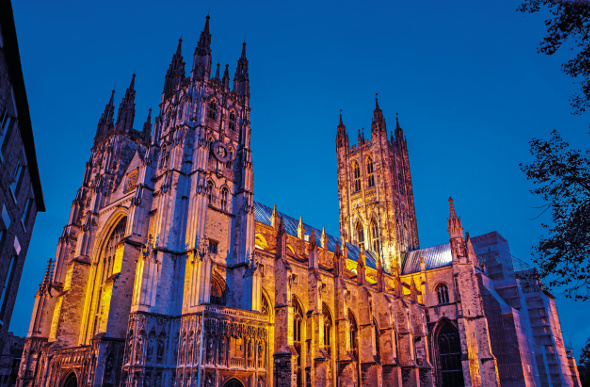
[(375, 192), (162, 225)]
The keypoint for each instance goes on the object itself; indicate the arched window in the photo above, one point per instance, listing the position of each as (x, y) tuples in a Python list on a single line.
[(357, 176), (212, 109), (377, 334), (105, 269), (449, 360), (360, 234), (443, 294), (370, 175), (210, 191), (327, 327), (353, 333), (232, 120), (297, 339), (224, 199), (217, 293), (374, 236)]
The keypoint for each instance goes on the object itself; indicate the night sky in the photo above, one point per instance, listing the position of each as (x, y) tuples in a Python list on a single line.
[(464, 76)]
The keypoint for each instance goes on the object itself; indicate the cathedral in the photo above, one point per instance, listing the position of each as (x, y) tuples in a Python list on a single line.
[(168, 273)]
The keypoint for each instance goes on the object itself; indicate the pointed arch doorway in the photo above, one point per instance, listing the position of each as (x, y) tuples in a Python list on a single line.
[(71, 380), (233, 383)]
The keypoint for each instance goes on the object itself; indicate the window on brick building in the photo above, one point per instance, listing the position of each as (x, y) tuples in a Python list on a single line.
[(370, 175), (7, 285), (443, 293), (356, 170)]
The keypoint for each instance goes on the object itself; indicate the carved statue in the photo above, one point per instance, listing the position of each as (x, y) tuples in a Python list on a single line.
[(139, 348), (150, 348), (191, 342), (210, 349), (160, 351), (222, 350)]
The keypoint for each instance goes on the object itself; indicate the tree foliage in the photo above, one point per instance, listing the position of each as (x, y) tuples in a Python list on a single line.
[(584, 364), (561, 177), (569, 24)]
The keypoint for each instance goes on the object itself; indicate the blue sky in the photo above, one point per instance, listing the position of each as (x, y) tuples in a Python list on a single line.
[(465, 78)]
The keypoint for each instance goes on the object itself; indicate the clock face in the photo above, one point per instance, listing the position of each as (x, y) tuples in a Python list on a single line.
[(220, 151)]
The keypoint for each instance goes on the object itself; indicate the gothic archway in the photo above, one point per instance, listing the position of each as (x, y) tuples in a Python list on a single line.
[(71, 380), (449, 368), (233, 383)]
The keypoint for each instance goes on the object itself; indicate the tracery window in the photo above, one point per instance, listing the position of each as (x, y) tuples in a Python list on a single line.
[(443, 294), (224, 193), (105, 269), (212, 110), (449, 351), (210, 192), (376, 334), (353, 333), (327, 327), (232, 121), (217, 293), (371, 176), (360, 234), (374, 236), (357, 176)]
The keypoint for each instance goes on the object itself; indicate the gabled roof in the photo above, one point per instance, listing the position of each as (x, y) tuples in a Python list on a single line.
[(434, 257), (263, 214)]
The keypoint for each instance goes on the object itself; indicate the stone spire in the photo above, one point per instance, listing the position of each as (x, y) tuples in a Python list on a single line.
[(106, 120), (126, 113), (341, 135), (378, 124), (217, 76), (225, 79), (175, 73), (202, 58), (274, 218), (242, 79), (45, 285), (300, 229), (147, 127), (454, 222)]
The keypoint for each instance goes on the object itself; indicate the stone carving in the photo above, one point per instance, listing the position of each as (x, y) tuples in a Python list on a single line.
[(191, 341), (139, 348), (210, 349), (222, 350), (161, 347), (150, 347)]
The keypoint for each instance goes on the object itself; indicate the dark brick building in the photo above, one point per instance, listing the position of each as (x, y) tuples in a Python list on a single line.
[(20, 187)]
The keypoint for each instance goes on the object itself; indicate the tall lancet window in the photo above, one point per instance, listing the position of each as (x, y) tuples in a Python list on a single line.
[(105, 270), (210, 191), (360, 234), (371, 176), (224, 194), (356, 170), (212, 110), (374, 236)]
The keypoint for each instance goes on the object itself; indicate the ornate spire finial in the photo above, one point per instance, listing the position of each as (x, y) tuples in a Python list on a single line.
[(377, 101), (453, 214), (341, 123), (454, 222)]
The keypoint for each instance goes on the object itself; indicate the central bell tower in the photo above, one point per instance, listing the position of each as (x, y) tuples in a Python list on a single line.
[(375, 192)]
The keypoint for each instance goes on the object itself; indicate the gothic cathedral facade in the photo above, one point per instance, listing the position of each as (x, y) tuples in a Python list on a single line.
[(168, 273)]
